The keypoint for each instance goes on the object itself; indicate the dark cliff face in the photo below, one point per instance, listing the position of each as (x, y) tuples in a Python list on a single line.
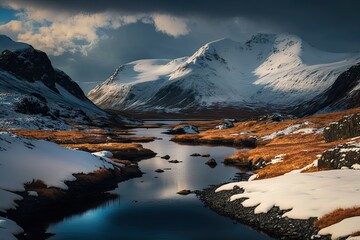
[(33, 65), (339, 96)]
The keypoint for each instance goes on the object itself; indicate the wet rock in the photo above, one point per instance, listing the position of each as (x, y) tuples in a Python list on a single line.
[(211, 162), (205, 155), (184, 192), (343, 155), (259, 163), (188, 129), (195, 155), (159, 170), (224, 125), (167, 157), (347, 127), (173, 161), (272, 222)]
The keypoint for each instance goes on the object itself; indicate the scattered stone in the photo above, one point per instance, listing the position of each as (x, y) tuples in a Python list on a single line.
[(173, 161), (195, 155), (184, 192), (205, 155), (167, 157), (159, 170), (211, 162)]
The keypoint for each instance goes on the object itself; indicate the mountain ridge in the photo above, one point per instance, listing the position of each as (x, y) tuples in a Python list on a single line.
[(281, 70)]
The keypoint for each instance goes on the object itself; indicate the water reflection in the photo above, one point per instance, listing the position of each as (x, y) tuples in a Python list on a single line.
[(149, 208)]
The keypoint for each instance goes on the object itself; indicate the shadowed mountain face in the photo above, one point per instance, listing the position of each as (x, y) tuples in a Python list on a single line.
[(280, 71), (34, 94), (33, 65), (343, 94)]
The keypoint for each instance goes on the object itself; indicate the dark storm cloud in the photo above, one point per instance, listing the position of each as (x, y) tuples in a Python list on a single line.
[(326, 24), (329, 24)]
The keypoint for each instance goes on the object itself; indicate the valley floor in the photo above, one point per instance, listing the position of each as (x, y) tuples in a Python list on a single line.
[(305, 183)]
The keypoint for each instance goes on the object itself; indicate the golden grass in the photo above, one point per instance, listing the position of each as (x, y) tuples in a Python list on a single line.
[(300, 150), (78, 136), (96, 176), (107, 146), (43, 190), (337, 216), (259, 128)]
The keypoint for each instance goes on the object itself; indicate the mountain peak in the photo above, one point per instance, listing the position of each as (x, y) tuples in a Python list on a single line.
[(261, 38), (6, 43)]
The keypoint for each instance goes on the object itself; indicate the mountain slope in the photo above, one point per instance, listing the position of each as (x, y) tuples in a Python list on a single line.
[(33, 94), (343, 94), (277, 70)]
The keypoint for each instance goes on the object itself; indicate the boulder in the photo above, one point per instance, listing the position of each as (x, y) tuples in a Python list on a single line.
[(188, 129), (343, 155), (211, 162), (224, 125), (174, 161), (159, 170), (167, 157), (195, 155), (347, 127), (184, 192)]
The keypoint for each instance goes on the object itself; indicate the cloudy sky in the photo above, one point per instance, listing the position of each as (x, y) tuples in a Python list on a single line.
[(89, 39)]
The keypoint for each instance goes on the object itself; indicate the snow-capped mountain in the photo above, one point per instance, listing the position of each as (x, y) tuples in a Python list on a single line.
[(268, 70), (33, 94)]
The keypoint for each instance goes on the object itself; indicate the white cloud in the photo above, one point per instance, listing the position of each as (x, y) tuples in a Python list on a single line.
[(170, 25), (59, 32)]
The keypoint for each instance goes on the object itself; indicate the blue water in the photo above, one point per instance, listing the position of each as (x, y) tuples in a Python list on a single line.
[(149, 208)]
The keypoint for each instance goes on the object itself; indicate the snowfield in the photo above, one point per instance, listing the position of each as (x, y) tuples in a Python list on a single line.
[(23, 160), (305, 195)]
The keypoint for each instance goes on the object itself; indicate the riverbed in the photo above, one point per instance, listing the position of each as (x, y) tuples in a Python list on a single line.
[(150, 208)]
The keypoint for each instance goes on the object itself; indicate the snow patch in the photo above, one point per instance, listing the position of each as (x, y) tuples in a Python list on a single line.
[(8, 228), (306, 194), (285, 131), (356, 166), (343, 228)]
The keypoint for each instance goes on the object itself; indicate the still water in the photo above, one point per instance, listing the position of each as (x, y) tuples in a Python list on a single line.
[(149, 208)]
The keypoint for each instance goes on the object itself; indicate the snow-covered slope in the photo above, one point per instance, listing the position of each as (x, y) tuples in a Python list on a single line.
[(33, 94), (281, 70), (23, 160)]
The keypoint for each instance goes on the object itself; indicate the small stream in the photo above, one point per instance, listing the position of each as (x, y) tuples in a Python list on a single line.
[(149, 208)]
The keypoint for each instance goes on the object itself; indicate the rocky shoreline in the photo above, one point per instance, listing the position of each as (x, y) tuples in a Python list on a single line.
[(271, 223)]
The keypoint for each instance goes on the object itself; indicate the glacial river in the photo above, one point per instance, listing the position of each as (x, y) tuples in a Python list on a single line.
[(149, 208)]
